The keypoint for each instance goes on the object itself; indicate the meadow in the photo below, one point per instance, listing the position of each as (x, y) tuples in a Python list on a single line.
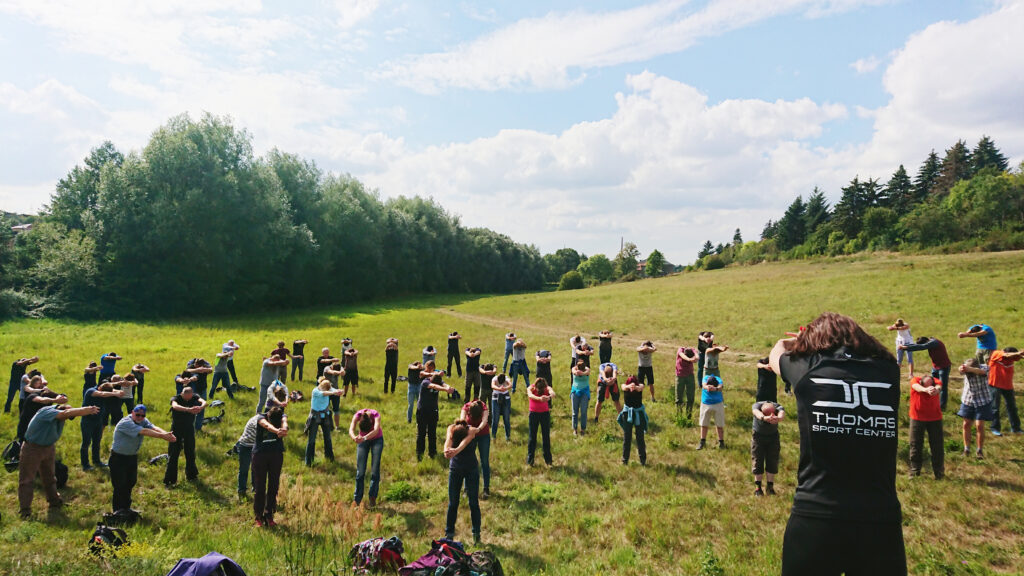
[(686, 512)]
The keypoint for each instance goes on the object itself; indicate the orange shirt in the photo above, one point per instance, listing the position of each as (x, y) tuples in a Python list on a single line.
[(924, 408), (1000, 371)]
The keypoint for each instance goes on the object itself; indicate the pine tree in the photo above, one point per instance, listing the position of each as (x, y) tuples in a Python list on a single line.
[(816, 212), (900, 191), (737, 239), (873, 194), (706, 250), (792, 226), (986, 155), (848, 212), (770, 230), (927, 175), (956, 166)]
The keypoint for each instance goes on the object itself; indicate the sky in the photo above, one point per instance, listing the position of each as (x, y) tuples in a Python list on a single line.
[(560, 124)]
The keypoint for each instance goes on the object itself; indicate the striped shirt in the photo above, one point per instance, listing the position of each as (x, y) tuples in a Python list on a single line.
[(976, 391)]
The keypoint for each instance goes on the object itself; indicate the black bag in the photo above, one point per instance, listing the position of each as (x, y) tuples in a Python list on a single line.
[(12, 456), (105, 539), (60, 470), (486, 563)]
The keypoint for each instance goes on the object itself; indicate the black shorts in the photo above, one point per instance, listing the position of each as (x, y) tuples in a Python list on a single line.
[(351, 377), (764, 454), (603, 391), (830, 547)]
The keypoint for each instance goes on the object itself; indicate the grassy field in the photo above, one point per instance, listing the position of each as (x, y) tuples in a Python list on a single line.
[(687, 512)]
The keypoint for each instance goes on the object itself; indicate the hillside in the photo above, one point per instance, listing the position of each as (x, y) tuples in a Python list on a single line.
[(585, 515)]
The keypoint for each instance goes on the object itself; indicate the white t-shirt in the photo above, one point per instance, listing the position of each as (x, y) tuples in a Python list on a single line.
[(903, 337)]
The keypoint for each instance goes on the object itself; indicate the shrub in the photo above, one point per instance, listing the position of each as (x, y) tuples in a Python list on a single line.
[(402, 491), (714, 262), (571, 280)]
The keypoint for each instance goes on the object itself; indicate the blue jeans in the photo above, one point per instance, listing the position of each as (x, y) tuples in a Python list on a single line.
[(14, 389), (580, 406), (455, 478), (508, 354), (263, 399), (374, 447), (322, 420), (244, 464), (201, 415), (483, 443), (519, 367), (502, 409), (411, 396), (219, 377), (943, 375), (999, 394)]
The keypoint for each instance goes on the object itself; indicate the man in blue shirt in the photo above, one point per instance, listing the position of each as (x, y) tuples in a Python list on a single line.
[(108, 368), (712, 407), (124, 454), (986, 341), (38, 453)]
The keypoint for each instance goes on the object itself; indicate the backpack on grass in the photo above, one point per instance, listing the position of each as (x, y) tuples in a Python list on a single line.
[(377, 555), (12, 456), (106, 539)]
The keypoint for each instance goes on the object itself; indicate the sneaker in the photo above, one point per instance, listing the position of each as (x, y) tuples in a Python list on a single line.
[(1018, 431), (259, 523), (770, 490), (758, 491), (979, 454), (86, 467), (996, 433), (270, 523), (721, 444), (701, 445), (101, 464), (626, 462), (373, 501), (486, 495), (966, 451)]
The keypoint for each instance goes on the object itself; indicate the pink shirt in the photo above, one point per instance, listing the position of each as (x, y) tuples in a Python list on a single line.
[(684, 368), (373, 414), (538, 405)]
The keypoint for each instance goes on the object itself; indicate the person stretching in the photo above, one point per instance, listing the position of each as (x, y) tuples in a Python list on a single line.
[(462, 468)]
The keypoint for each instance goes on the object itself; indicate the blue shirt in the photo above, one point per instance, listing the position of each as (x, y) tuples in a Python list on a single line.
[(320, 401), (128, 437), (45, 429), (987, 341), (707, 397), (580, 383), (107, 364)]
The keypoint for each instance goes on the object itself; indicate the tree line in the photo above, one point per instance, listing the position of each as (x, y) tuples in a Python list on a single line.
[(196, 223), (966, 200)]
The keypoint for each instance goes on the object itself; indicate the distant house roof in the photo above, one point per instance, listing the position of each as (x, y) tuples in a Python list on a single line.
[(22, 227)]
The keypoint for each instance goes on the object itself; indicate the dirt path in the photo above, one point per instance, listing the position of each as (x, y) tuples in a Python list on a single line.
[(731, 356)]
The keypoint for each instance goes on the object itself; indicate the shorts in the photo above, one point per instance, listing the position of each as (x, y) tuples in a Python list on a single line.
[(830, 547), (717, 411), (985, 413), (764, 454), (604, 391)]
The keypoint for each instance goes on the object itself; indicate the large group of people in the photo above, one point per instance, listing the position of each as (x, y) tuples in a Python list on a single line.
[(846, 386)]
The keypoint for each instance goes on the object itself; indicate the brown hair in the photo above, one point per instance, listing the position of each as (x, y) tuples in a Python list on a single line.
[(365, 423), (541, 386), (831, 331), (275, 416), (476, 409), (460, 432)]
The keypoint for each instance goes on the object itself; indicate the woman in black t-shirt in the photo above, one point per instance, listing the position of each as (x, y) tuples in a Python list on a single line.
[(267, 459), (846, 518)]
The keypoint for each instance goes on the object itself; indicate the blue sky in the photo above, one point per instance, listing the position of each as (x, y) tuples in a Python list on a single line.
[(558, 123)]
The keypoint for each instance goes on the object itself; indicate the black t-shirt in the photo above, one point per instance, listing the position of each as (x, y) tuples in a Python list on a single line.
[(391, 356), (297, 348), (266, 441), (322, 363), (184, 421), (17, 371), (606, 344), (544, 371), (453, 344), (428, 397), (472, 363), (140, 377), (767, 385), (847, 414), (90, 380), (633, 399), (29, 409)]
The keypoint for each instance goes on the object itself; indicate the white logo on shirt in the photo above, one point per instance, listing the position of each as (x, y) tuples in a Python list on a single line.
[(855, 394)]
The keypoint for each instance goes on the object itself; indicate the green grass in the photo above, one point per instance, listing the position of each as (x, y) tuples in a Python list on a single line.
[(687, 512)]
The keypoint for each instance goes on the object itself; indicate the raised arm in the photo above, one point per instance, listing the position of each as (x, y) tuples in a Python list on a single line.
[(73, 412)]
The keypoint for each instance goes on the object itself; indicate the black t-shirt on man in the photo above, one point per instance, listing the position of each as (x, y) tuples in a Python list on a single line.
[(184, 421)]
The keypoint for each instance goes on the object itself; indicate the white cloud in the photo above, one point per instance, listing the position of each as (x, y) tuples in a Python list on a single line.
[(952, 81), (556, 50), (664, 165), (865, 65), (353, 12)]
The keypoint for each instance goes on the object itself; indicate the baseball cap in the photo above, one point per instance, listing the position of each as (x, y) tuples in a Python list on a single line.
[(139, 408)]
